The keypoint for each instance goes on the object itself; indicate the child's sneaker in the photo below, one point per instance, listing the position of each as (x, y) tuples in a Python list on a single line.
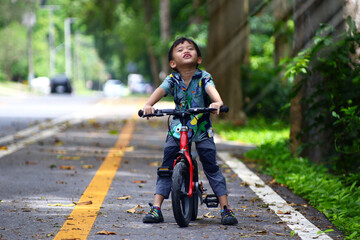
[(154, 215), (228, 217)]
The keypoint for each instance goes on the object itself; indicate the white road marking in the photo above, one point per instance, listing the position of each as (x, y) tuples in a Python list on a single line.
[(294, 219)]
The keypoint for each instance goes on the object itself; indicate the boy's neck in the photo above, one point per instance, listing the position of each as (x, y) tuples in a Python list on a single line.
[(186, 74)]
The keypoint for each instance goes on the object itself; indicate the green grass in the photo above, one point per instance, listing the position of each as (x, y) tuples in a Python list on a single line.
[(338, 197), (338, 201), (257, 131)]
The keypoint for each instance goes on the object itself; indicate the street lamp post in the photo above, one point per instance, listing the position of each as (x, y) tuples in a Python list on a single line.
[(68, 56)]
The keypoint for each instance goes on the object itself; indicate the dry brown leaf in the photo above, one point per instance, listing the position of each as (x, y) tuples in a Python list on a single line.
[(83, 203), (70, 158), (30, 163), (155, 164), (104, 232), (244, 184), (208, 215), (133, 210), (129, 149), (281, 212), (272, 181), (243, 206), (60, 182), (139, 181), (279, 234), (66, 167), (259, 185), (124, 197), (253, 215), (89, 166), (234, 175)]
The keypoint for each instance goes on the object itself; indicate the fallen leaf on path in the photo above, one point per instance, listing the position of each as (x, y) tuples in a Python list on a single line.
[(83, 203), (244, 184), (272, 182), (279, 234), (104, 232), (139, 181), (133, 210), (281, 212), (60, 182), (259, 185), (243, 206), (66, 167), (3, 148), (155, 164), (234, 175), (124, 197), (89, 166), (129, 149), (69, 158), (262, 232), (30, 163), (208, 215), (253, 215), (61, 205)]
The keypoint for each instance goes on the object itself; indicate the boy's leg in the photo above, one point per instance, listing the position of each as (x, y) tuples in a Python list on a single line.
[(163, 184), (207, 153)]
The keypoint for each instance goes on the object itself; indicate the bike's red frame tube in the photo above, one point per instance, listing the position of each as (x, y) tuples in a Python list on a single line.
[(184, 146)]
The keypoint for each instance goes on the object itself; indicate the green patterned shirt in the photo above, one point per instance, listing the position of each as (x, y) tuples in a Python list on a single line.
[(193, 96)]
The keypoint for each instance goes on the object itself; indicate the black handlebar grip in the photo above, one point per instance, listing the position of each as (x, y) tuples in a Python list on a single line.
[(141, 113), (224, 109)]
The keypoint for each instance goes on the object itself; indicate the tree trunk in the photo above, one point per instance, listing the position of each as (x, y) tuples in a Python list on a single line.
[(165, 35), (148, 9), (283, 43), (228, 49), (308, 15)]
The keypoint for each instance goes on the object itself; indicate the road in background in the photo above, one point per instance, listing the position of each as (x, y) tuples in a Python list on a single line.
[(17, 113)]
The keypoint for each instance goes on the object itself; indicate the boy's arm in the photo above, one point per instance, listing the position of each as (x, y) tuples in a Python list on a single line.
[(215, 97), (154, 98)]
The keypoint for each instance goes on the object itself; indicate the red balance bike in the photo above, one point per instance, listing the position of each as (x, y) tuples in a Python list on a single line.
[(186, 190)]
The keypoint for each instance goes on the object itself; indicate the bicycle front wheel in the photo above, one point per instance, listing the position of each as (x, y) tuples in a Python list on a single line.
[(182, 204)]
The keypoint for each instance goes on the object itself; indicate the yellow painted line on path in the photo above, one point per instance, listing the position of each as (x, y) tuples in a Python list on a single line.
[(79, 223)]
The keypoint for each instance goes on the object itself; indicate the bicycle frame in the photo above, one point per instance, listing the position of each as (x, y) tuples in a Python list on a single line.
[(184, 149), (184, 139)]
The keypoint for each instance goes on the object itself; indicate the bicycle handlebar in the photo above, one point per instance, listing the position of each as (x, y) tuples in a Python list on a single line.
[(164, 112)]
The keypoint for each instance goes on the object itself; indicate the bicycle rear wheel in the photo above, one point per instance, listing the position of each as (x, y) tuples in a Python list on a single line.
[(182, 204)]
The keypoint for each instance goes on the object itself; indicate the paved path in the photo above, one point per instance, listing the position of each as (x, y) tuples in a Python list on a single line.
[(107, 166)]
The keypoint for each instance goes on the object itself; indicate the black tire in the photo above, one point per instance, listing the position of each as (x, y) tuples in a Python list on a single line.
[(195, 194), (182, 204)]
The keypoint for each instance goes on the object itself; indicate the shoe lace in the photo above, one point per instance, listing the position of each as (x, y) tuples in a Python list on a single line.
[(227, 212), (153, 211)]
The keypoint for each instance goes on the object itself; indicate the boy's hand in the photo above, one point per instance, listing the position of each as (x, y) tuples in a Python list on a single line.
[(147, 109), (216, 105)]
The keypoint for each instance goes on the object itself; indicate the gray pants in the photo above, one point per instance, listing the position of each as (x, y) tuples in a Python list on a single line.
[(207, 153)]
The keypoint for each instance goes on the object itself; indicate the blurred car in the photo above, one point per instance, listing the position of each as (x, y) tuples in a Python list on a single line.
[(60, 84), (115, 88), (40, 85), (137, 84)]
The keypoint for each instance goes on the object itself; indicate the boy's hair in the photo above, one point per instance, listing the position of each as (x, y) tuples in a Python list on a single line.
[(180, 41)]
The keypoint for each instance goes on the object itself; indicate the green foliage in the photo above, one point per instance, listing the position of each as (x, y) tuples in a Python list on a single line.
[(333, 103), (261, 80), (257, 131), (339, 201), (13, 60)]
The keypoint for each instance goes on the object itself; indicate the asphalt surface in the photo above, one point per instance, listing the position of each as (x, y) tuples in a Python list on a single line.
[(40, 183)]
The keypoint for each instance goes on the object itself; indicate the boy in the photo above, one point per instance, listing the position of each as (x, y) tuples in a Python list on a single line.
[(191, 88)]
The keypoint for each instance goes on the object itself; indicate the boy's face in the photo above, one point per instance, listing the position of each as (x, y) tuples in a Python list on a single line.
[(184, 54)]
